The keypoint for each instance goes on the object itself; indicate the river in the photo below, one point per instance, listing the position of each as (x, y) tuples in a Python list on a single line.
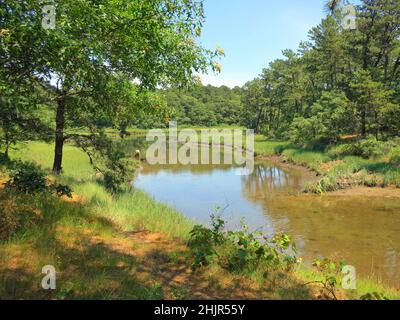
[(364, 231)]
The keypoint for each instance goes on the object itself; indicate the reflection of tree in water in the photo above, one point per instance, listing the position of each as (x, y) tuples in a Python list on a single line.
[(364, 231), (268, 179)]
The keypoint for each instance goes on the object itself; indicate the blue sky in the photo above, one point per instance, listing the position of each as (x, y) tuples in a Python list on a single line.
[(254, 32)]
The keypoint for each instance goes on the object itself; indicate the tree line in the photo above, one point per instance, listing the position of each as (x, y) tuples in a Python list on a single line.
[(339, 82)]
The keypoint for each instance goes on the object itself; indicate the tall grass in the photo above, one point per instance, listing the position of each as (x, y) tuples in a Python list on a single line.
[(135, 210), (132, 209)]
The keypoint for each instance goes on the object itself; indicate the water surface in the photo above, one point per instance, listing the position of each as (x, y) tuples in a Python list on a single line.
[(364, 231)]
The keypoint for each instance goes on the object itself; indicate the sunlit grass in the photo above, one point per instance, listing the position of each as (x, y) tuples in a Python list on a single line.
[(75, 162), (133, 210)]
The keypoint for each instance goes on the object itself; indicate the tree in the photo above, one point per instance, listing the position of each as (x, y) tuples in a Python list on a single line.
[(340, 81), (255, 104), (371, 99), (102, 55)]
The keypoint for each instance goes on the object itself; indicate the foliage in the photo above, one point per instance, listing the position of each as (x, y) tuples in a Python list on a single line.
[(330, 270), (203, 106), (240, 251), (109, 158), (373, 296), (394, 156), (27, 178), (203, 241), (63, 190), (30, 178), (365, 148), (102, 61), (339, 82)]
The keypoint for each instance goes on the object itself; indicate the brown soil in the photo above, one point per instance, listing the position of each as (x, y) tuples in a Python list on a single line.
[(391, 192), (76, 198)]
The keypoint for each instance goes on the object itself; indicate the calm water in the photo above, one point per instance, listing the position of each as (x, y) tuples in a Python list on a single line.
[(365, 231)]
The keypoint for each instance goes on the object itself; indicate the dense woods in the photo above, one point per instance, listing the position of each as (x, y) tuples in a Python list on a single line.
[(340, 81)]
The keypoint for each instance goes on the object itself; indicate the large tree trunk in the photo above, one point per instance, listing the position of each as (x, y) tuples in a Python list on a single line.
[(59, 141)]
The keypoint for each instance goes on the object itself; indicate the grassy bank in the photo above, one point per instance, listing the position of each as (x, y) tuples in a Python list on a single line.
[(125, 246), (335, 165), (133, 210)]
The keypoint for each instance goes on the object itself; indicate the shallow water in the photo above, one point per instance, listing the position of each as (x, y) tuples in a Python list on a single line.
[(364, 231)]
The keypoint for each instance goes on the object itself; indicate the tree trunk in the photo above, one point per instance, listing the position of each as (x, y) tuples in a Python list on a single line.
[(6, 155), (7, 146), (363, 122), (59, 141)]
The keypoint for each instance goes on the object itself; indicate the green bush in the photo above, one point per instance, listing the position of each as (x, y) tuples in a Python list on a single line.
[(241, 251), (63, 190), (366, 148), (27, 178), (330, 269)]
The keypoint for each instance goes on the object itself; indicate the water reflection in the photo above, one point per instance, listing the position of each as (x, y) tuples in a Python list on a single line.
[(365, 231)]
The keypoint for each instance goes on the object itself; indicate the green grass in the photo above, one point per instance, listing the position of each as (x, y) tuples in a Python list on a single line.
[(363, 285), (134, 210), (76, 164), (337, 172), (66, 238)]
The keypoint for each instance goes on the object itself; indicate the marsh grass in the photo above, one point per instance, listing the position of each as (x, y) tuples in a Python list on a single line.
[(336, 171)]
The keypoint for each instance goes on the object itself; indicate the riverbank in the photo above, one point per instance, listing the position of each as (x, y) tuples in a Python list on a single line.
[(125, 246), (337, 172)]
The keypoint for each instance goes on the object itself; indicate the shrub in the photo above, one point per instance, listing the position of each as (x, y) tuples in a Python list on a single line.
[(27, 178), (366, 148), (240, 251), (302, 131), (373, 296), (330, 269), (63, 190)]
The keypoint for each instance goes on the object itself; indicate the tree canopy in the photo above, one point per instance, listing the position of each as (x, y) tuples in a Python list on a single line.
[(101, 59)]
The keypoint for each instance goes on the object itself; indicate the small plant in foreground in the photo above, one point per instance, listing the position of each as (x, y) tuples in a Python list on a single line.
[(330, 270), (241, 251)]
